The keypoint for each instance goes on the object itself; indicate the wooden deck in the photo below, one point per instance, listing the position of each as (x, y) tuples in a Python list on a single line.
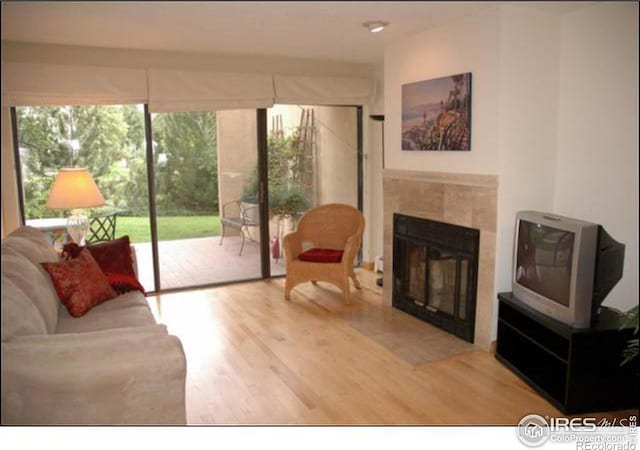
[(202, 261)]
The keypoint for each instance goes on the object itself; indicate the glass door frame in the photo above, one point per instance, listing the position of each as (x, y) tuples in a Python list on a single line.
[(263, 191), (262, 149)]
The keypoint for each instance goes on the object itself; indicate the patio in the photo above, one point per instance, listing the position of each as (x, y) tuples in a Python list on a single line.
[(201, 261)]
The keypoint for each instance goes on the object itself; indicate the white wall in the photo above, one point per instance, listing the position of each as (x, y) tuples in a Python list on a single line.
[(10, 205), (511, 53), (337, 154), (373, 241), (597, 160), (469, 45), (554, 114), (528, 80)]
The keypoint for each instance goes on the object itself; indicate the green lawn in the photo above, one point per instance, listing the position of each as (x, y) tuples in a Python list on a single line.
[(169, 227)]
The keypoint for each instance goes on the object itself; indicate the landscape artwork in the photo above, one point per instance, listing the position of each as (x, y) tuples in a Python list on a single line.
[(436, 114)]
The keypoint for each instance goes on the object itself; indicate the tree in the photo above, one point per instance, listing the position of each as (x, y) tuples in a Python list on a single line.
[(63, 136), (186, 163), (136, 183), (110, 142)]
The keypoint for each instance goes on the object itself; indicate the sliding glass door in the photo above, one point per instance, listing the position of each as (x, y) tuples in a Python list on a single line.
[(313, 154), (206, 209), (189, 189), (110, 142)]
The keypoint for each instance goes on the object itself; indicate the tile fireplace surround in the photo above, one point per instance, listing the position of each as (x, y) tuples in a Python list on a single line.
[(460, 199)]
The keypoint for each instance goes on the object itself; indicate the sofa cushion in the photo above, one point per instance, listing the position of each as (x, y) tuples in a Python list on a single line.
[(31, 244), (35, 284), (33, 234), (80, 283), (20, 317), (127, 310)]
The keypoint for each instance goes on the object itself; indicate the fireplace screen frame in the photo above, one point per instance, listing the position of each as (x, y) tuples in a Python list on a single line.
[(438, 238)]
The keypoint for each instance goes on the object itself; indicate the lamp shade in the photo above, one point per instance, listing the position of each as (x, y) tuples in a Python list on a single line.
[(74, 188)]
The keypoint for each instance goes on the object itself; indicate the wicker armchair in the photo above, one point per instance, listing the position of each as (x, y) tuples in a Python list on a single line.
[(328, 227)]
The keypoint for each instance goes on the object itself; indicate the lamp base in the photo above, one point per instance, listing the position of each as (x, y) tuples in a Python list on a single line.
[(78, 226)]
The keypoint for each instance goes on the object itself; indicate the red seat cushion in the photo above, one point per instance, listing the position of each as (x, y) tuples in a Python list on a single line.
[(321, 255)]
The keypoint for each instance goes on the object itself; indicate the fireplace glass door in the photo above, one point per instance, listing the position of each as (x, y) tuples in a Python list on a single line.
[(441, 287), (431, 277), (435, 267)]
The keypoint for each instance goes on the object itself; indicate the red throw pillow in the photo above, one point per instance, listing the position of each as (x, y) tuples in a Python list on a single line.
[(114, 258), (80, 283), (123, 283), (321, 255)]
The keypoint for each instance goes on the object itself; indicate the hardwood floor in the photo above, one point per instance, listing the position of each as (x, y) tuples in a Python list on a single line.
[(254, 358)]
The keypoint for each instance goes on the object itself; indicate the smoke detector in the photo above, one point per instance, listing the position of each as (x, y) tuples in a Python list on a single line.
[(375, 26)]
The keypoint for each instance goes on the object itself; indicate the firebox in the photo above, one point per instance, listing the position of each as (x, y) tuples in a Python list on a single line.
[(435, 272)]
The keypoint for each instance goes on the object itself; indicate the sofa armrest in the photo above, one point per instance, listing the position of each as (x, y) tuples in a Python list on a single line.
[(107, 377)]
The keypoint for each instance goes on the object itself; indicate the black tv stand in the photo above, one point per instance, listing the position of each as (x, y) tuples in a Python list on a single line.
[(576, 369)]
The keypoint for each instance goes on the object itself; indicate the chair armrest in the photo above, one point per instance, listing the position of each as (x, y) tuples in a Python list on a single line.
[(118, 376), (236, 204), (351, 248), (250, 215), (292, 245)]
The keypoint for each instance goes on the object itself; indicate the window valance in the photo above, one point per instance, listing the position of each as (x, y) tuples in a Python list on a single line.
[(174, 90), (32, 84), (308, 90), (165, 90)]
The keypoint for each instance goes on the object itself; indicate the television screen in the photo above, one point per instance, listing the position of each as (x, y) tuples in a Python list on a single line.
[(544, 257)]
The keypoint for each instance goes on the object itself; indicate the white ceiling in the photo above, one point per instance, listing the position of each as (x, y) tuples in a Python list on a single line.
[(318, 30)]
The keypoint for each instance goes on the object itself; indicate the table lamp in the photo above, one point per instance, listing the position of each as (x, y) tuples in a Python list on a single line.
[(75, 189)]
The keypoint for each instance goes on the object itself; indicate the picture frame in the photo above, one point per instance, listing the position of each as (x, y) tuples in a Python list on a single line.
[(436, 114)]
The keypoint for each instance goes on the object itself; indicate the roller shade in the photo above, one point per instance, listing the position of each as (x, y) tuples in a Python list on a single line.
[(32, 84), (180, 91), (297, 90)]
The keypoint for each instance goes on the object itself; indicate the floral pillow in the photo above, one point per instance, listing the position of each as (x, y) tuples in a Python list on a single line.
[(80, 283)]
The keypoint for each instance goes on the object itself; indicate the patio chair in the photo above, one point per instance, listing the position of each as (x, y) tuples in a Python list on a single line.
[(240, 216), (324, 247), (101, 228)]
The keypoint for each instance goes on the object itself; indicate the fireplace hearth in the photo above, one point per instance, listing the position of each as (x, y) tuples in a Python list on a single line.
[(435, 272)]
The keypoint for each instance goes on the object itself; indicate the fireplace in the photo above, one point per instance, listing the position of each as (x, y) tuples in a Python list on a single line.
[(435, 272)]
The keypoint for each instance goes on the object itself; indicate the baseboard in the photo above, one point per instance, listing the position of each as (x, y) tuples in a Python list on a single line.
[(367, 265), (492, 347)]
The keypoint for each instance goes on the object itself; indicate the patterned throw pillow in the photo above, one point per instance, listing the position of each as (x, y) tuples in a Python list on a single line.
[(80, 283), (114, 258)]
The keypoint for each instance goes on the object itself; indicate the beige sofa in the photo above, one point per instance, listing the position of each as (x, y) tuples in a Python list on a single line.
[(114, 365)]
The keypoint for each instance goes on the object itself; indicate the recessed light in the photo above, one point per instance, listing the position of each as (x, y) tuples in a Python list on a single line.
[(375, 26)]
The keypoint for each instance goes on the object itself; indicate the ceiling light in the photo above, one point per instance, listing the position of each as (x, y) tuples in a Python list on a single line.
[(375, 26)]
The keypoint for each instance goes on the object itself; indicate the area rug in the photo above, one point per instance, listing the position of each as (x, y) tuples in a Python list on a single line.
[(409, 338)]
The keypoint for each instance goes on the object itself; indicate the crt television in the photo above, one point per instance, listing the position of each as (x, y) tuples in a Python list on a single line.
[(564, 267)]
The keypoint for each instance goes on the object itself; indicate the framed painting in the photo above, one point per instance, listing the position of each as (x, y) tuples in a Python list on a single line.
[(436, 114)]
